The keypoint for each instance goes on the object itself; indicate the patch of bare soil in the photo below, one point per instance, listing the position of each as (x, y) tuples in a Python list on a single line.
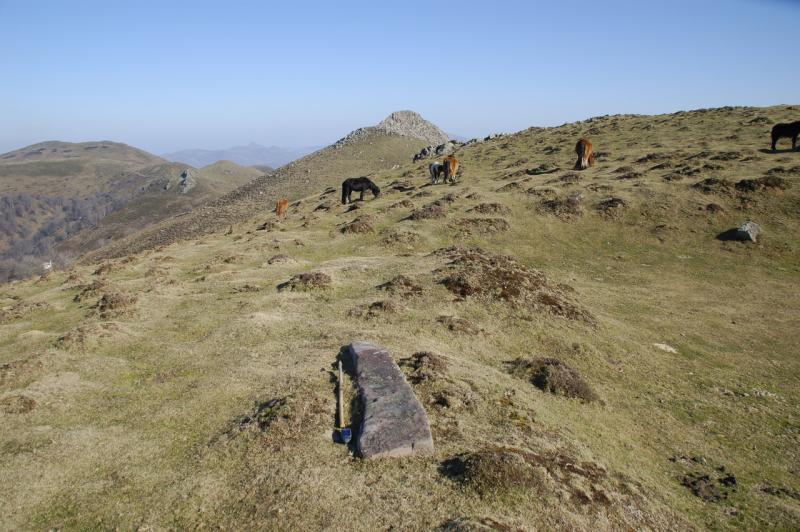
[(553, 376), (780, 170), (770, 183), (612, 207), (361, 225), (269, 225), (402, 285), (307, 281), (473, 272), (566, 209), (713, 185), (506, 472), (424, 366), (104, 268), (391, 237), (17, 369), (652, 157), (401, 186), (114, 304), (706, 481), (485, 226), (20, 309), (91, 290), (374, 310), (17, 404), (279, 259), (514, 186), (261, 417), (404, 204), (566, 179), (544, 168), (630, 175), (87, 334), (459, 325), (491, 208), (429, 212), (713, 208)]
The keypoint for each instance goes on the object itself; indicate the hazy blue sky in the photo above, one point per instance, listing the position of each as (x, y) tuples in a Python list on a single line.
[(167, 75)]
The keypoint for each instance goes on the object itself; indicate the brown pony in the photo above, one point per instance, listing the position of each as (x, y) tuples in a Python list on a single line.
[(281, 208), (586, 156), (450, 169)]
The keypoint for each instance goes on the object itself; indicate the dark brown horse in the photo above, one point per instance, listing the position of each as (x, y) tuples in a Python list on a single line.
[(790, 130), (358, 184)]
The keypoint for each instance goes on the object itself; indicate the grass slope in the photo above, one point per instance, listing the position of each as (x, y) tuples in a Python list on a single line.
[(327, 167), (180, 388)]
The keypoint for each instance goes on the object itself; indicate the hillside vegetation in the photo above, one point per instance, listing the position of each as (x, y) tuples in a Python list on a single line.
[(61, 199), (590, 354)]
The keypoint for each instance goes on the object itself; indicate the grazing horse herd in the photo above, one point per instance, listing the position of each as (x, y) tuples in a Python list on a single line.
[(448, 168)]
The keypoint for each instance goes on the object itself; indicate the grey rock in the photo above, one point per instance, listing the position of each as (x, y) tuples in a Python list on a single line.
[(749, 231), (394, 423)]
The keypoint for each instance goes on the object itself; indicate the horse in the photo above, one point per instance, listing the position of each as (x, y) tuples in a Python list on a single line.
[(358, 184), (450, 169), (281, 208), (790, 130), (586, 156), (437, 169)]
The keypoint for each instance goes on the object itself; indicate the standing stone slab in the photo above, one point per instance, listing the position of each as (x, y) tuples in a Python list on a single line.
[(394, 422)]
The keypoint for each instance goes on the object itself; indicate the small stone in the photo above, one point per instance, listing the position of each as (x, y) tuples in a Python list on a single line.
[(667, 348)]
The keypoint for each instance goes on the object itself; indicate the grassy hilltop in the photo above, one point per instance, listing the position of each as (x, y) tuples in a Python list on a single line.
[(175, 386)]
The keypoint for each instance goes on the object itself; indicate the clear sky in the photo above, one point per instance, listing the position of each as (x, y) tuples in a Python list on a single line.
[(165, 75)]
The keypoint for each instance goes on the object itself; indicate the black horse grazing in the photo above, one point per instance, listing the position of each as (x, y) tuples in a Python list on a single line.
[(358, 184), (791, 130)]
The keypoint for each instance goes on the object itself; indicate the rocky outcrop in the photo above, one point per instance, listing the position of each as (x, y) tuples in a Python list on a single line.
[(411, 124), (403, 123)]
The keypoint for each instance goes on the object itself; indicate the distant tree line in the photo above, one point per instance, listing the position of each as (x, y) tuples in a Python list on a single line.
[(33, 225)]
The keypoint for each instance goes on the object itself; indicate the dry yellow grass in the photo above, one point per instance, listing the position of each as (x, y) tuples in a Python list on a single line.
[(141, 418)]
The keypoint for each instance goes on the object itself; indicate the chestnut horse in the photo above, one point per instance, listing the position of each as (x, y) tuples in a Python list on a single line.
[(450, 169), (586, 156), (281, 208)]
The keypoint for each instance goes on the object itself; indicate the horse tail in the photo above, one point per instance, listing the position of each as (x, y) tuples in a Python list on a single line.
[(344, 192), (581, 149)]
